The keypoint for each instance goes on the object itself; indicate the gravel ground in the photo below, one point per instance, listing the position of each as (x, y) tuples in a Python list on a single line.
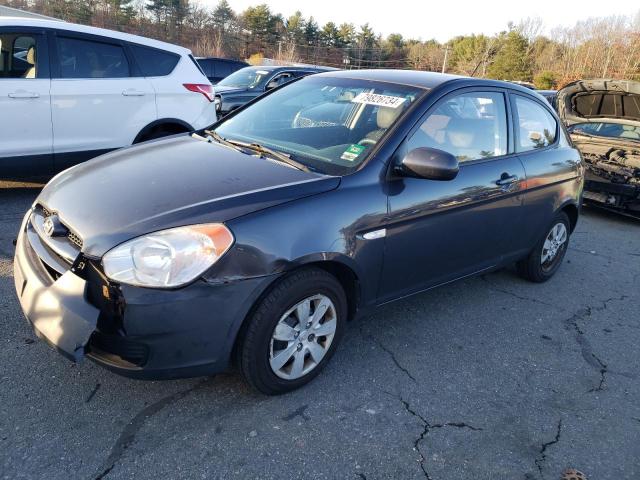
[(488, 378)]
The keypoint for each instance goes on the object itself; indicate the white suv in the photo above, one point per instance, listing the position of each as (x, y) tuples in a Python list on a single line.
[(69, 93)]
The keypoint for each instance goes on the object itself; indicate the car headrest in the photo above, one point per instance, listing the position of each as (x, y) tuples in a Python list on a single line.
[(387, 115), (31, 56), (629, 128)]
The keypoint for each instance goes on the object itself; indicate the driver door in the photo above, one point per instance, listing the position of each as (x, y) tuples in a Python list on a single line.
[(26, 136), (439, 231)]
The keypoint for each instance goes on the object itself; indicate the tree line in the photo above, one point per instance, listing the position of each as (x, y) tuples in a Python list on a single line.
[(604, 47)]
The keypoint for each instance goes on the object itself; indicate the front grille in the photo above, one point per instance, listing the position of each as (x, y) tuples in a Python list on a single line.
[(73, 238)]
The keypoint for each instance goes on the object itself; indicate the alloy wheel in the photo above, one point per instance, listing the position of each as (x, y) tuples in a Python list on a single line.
[(554, 243), (302, 337)]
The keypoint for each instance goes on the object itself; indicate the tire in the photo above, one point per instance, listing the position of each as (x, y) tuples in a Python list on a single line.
[(284, 303), (535, 268)]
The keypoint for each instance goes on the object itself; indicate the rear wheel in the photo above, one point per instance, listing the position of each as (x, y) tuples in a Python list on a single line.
[(293, 332), (545, 259)]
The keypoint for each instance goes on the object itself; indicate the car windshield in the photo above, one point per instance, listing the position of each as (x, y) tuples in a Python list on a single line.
[(610, 130), (328, 124), (246, 78)]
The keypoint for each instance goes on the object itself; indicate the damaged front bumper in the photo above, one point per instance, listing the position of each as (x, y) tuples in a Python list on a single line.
[(612, 179), (617, 196), (136, 332), (57, 309)]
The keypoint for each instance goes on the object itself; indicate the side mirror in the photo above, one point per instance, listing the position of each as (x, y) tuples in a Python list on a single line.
[(429, 163)]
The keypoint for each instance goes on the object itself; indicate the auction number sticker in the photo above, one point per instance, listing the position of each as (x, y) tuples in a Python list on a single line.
[(379, 100)]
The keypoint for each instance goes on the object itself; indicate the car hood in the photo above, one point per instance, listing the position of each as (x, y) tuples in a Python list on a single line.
[(607, 101), (166, 183)]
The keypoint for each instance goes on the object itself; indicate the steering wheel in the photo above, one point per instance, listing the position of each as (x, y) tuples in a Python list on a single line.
[(367, 141)]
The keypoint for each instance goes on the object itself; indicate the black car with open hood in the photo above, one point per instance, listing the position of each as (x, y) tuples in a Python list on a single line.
[(603, 120)]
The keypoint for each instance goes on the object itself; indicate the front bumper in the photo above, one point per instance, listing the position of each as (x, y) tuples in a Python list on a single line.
[(136, 332), (620, 196)]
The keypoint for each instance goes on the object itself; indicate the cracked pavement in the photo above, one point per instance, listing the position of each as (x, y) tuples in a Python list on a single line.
[(490, 377)]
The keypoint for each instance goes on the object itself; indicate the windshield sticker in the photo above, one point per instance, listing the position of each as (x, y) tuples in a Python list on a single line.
[(353, 152), (379, 100)]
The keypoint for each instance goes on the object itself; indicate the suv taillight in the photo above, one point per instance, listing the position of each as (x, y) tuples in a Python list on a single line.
[(203, 88)]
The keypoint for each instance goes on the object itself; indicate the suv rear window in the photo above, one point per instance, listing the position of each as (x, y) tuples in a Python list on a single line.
[(153, 62), (88, 59)]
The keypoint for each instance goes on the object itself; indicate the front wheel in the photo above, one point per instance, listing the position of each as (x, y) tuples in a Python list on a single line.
[(293, 331), (546, 257)]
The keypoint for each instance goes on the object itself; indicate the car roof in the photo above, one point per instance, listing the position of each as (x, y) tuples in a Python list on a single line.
[(220, 59), (273, 68), (422, 79), (73, 27)]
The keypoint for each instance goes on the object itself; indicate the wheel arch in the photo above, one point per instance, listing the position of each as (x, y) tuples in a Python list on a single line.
[(345, 275), (175, 125), (573, 212)]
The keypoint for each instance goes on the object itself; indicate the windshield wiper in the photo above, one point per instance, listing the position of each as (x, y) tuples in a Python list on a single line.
[(220, 139), (261, 149), (280, 156)]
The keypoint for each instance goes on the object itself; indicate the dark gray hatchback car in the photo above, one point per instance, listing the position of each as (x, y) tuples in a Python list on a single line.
[(256, 240)]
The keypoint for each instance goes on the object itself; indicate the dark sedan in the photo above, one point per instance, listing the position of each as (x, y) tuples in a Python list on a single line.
[(248, 83), (256, 240)]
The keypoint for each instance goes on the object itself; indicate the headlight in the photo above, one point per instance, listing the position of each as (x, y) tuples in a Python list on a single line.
[(169, 258)]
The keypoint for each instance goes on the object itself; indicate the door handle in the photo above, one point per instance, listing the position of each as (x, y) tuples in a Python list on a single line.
[(133, 93), (24, 95), (505, 180)]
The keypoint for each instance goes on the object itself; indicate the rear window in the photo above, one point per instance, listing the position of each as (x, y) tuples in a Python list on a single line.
[(608, 104), (153, 62), (89, 59)]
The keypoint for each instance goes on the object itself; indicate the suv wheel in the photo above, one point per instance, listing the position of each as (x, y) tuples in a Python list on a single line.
[(293, 332), (545, 259)]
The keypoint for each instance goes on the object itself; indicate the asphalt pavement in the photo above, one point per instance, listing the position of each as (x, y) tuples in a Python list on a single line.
[(487, 378)]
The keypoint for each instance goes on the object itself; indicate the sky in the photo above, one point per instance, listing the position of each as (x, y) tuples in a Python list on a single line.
[(443, 20)]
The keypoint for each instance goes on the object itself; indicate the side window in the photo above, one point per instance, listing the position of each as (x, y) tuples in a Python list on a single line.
[(536, 126), (18, 55), (281, 79), (157, 63), (470, 126), (89, 59)]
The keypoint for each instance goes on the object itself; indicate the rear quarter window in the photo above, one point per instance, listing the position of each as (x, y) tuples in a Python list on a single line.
[(536, 126), (153, 62)]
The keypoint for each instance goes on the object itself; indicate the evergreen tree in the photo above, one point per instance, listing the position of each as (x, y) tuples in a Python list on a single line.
[(512, 61), (223, 16)]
